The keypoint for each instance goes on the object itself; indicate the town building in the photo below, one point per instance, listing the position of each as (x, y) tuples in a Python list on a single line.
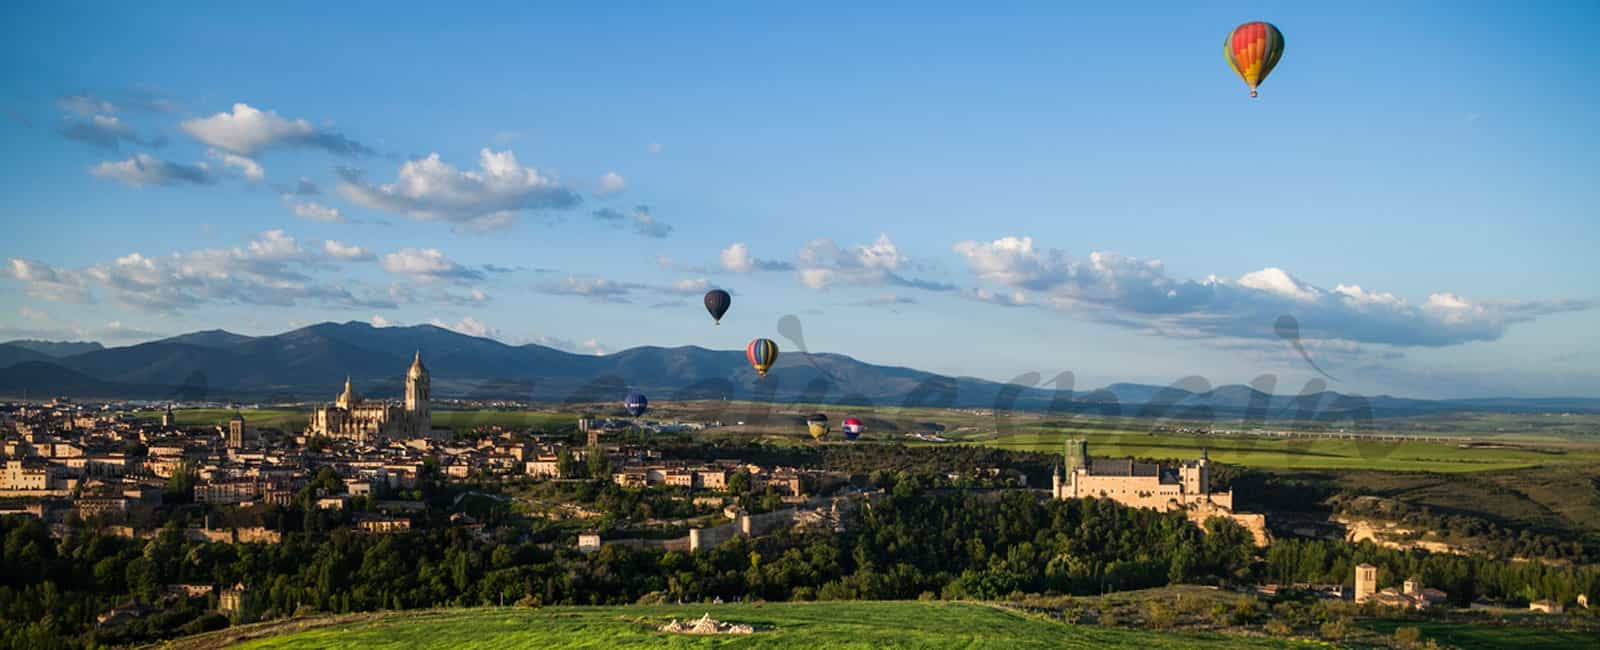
[(350, 417)]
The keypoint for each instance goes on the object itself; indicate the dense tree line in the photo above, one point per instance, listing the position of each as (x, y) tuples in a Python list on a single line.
[(913, 542)]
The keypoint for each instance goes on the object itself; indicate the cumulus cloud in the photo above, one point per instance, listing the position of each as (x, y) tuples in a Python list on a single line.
[(247, 131), (427, 264), (611, 184), (469, 326), (313, 211), (248, 168), (594, 288), (142, 170), (44, 281), (428, 189), (1139, 293), (340, 250), (273, 269), (378, 320), (640, 219), (736, 258), (822, 263)]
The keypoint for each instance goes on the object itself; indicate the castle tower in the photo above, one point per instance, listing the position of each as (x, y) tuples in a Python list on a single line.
[(168, 419), (1366, 582), (417, 389), (1077, 456), (1055, 483)]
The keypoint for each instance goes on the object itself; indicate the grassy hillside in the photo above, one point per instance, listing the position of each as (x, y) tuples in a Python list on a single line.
[(905, 624)]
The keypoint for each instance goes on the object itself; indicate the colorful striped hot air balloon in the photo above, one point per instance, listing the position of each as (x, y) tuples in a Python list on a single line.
[(762, 354), (853, 428), (1252, 50)]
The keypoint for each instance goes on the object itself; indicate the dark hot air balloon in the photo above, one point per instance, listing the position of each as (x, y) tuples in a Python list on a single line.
[(717, 302), (636, 404), (762, 354), (852, 428), (1253, 50)]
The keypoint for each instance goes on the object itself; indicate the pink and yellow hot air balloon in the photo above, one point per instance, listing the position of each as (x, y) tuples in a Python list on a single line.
[(1252, 50)]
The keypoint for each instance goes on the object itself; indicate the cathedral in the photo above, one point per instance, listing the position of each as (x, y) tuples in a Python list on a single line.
[(353, 418)]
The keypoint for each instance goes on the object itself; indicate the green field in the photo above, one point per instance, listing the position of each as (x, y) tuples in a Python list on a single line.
[(839, 624), (1300, 453), (1516, 442), (1490, 637)]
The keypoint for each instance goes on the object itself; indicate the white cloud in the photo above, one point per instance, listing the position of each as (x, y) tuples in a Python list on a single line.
[(1139, 293), (378, 320), (611, 184), (736, 258), (248, 131), (313, 211), (142, 170), (44, 281), (29, 313), (249, 169), (427, 264), (429, 189), (340, 250), (822, 264), (592, 287), (469, 326), (274, 269)]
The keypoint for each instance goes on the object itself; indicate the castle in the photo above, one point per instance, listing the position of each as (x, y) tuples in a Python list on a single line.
[(1147, 485), (369, 420)]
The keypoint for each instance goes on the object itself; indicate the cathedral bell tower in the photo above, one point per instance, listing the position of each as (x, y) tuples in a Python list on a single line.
[(417, 396)]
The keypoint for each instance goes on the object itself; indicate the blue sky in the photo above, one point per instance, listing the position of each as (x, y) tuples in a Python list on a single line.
[(1039, 187)]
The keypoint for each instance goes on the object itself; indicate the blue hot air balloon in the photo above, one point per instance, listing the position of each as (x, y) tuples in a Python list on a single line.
[(636, 404)]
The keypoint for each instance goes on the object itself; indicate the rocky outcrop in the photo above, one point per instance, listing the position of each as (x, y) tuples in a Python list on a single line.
[(706, 625)]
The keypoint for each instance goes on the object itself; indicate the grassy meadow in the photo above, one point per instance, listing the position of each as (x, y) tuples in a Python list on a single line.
[(837, 624)]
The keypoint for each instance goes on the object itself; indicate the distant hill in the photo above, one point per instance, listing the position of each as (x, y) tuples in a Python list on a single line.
[(312, 362), (210, 339), (56, 348), (11, 354)]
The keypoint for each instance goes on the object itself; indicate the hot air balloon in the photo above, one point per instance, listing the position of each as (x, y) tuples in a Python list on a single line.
[(636, 404), (817, 426), (717, 302), (1252, 50), (853, 428), (762, 354)]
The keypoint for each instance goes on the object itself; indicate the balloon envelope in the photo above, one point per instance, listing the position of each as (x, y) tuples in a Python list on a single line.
[(762, 353), (717, 303), (853, 428), (636, 404), (817, 426), (1253, 50)]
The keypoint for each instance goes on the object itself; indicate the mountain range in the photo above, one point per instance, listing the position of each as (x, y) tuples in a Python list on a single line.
[(312, 363)]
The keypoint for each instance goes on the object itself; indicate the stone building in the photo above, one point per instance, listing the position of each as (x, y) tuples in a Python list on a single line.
[(1148, 485), (353, 418), (1366, 582)]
